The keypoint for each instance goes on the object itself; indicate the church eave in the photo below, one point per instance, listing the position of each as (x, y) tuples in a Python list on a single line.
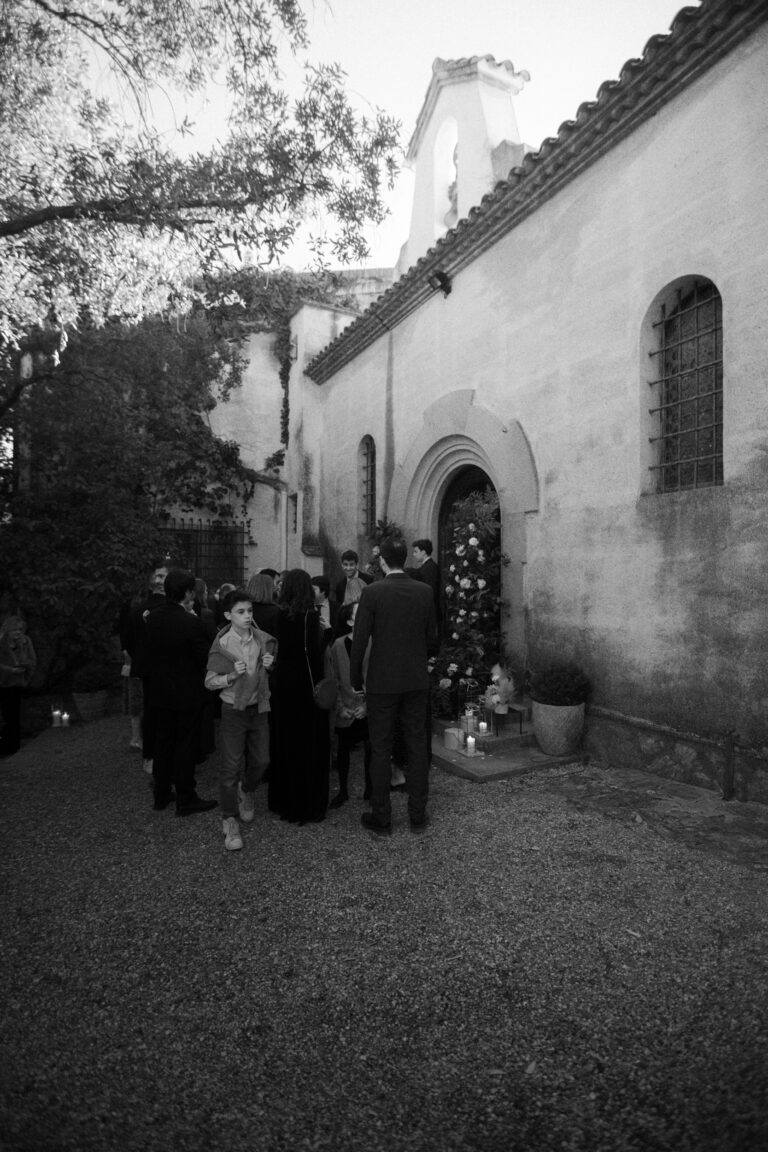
[(698, 38)]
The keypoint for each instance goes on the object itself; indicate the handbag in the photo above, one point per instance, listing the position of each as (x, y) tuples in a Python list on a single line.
[(324, 691)]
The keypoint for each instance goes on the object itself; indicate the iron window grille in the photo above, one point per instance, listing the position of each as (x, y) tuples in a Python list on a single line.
[(368, 485), (689, 391), (214, 552)]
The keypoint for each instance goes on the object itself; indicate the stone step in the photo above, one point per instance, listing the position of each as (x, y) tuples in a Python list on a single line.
[(506, 756)]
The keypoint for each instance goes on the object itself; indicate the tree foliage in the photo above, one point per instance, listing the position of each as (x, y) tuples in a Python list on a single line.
[(102, 455), (100, 216)]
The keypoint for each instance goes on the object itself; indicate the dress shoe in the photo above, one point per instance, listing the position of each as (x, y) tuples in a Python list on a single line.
[(398, 787), (419, 825), (192, 807), (161, 802), (371, 823)]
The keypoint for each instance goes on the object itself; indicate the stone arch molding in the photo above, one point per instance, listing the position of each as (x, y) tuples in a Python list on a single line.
[(457, 432)]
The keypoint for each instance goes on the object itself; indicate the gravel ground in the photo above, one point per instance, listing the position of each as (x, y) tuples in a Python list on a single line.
[(529, 974)]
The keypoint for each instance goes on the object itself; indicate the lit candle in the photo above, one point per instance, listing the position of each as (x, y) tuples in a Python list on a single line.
[(65, 719), (482, 727), (470, 745), (56, 714)]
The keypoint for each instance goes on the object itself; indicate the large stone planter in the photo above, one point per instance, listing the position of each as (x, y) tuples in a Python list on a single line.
[(558, 727), (91, 705)]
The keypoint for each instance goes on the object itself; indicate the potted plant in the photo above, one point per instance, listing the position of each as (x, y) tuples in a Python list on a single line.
[(559, 693), (90, 685)]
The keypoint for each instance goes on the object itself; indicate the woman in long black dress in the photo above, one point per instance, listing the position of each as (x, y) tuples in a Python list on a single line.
[(300, 768)]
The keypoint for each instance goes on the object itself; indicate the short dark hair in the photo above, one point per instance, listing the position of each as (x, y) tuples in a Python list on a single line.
[(236, 596), (323, 583), (394, 551), (425, 545), (350, 555), (177, 583)]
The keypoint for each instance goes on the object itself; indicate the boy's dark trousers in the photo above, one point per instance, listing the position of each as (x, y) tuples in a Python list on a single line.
[(244, 748)]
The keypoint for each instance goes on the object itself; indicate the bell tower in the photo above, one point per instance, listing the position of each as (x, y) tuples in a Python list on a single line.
[(466, 139)]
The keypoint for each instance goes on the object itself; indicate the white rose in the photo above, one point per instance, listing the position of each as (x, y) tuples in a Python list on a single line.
[(474, 541), (471, 527), (465, 583), (481, 583), (455, 636)]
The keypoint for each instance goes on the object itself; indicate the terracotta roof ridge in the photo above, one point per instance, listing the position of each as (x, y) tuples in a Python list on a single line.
[(620, 106)]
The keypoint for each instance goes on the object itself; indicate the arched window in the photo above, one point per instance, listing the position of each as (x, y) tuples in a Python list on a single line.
[(686, 432), (367, 465)]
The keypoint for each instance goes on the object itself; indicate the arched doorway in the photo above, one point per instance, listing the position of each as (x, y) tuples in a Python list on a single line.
[(459, 434), (471, 564)]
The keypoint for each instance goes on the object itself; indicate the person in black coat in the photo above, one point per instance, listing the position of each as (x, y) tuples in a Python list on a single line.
[(327, 610), (175, 658), (426, 570), (397, 615)]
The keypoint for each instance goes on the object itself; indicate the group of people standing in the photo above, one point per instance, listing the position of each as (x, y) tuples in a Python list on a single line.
[(262, 665)]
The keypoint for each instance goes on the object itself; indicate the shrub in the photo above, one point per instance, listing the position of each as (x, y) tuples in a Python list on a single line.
[(560, 684)]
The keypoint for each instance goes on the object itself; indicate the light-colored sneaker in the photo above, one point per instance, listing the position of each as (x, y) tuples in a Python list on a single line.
[(148, 765), (246, 805), (232, 838)]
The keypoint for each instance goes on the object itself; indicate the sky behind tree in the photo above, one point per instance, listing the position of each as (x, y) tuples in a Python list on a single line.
[(386, 47)]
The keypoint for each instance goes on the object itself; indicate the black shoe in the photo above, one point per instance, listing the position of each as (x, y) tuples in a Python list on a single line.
[(419, 825), (162, 802), (399, 787), (371, 823), (338, 800), (192, 807)]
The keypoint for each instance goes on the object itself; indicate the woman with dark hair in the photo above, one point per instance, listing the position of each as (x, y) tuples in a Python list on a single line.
[(301, 743)]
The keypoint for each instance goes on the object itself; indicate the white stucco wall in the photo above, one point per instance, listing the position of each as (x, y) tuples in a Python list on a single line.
[(661, 597)]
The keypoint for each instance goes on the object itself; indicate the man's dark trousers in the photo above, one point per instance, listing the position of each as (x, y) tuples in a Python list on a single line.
[(176, 739), (384, 708)]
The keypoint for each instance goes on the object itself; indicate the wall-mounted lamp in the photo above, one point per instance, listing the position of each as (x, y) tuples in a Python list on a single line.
[(440, 281)]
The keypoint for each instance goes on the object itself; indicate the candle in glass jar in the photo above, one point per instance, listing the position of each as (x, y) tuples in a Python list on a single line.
[(65, 719), (56, 718), (470, 745), (482, 727)]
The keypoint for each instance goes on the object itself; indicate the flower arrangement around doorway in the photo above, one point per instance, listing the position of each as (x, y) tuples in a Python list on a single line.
[(559, 693), (472, 596)]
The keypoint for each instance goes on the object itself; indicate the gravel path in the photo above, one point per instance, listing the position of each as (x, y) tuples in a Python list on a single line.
[(530, 974)]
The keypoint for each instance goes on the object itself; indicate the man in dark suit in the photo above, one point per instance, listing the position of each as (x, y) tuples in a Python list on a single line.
[(327, 610), (397, 614), (426, 570), (176, 654), (350, 586)]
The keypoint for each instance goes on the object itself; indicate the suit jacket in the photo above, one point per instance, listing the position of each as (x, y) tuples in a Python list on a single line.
[(175, 656), (397, 614), (429, 573), (342, 584)]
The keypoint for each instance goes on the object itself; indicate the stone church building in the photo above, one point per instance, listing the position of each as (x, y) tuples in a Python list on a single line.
[(584, 328)]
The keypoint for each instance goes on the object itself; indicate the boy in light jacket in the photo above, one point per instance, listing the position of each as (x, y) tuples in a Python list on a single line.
[(238, 662)]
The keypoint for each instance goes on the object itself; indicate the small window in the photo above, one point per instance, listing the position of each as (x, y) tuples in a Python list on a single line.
[(367, 486), (688, 389)]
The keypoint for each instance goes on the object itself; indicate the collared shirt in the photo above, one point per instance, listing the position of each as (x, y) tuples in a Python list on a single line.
[(239, 648)]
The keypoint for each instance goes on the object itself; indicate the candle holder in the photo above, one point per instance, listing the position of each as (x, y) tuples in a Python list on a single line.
[(56, 717)]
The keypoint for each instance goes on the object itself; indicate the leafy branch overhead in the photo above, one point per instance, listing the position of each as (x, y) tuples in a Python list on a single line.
[(98, 211)]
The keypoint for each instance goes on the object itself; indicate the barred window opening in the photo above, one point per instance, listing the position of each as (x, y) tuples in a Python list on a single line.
[(367, 486), (688, 391)]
